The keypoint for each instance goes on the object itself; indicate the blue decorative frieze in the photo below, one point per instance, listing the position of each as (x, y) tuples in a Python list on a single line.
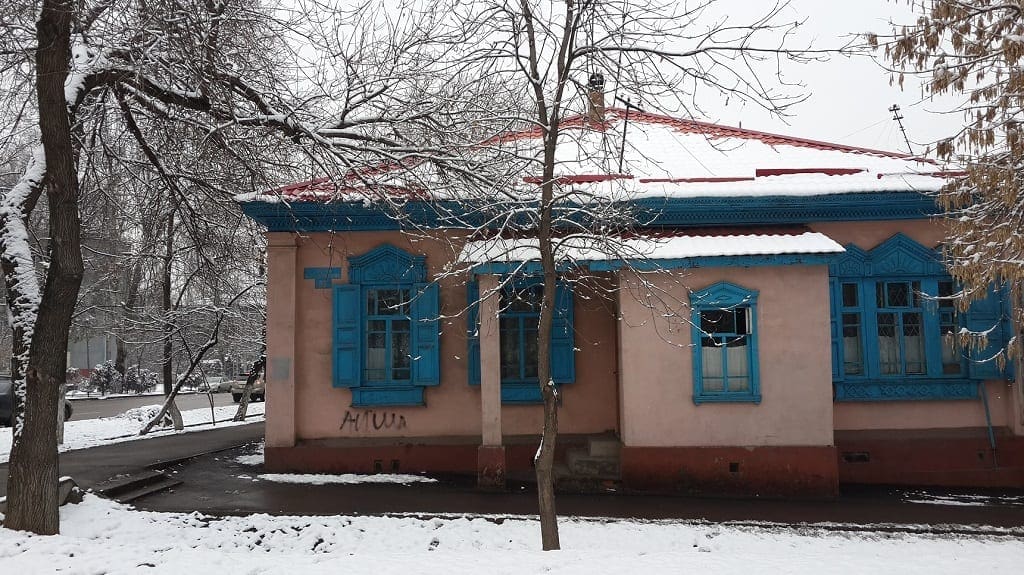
[(905, 391), (322, 277)]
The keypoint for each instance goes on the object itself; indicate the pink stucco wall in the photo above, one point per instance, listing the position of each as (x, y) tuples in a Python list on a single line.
[(588, 406), (795, 363), (912, 414), (633, 375)]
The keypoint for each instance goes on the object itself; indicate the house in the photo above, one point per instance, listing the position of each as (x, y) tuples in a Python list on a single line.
[(777, 328)]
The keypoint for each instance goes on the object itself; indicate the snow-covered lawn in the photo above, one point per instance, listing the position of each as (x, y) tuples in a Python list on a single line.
[(85, 433), (99, 536)]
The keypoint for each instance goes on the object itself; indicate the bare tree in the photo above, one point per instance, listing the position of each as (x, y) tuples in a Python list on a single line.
[(548, 62), (234, 84)]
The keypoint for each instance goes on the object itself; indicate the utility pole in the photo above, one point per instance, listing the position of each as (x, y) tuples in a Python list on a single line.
[(895, 109)]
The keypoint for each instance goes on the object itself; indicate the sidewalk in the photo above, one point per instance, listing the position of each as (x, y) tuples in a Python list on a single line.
[(215, 483), (92, 466), (218, 484)]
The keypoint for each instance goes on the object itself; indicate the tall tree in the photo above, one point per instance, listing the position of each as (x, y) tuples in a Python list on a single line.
[(545, 61), (33, 464), (253, 96)]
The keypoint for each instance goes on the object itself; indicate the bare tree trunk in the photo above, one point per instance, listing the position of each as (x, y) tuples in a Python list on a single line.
[(32, 484), (254, 374), (168, 355), (544, 461), (169, 407)]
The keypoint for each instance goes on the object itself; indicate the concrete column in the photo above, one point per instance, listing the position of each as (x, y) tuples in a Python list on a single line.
[(491, 454), (281, 285)]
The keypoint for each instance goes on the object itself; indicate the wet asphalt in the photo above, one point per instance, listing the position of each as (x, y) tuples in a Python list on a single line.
[(214, 483)]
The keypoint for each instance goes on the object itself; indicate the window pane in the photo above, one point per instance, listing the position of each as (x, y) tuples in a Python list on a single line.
[(714, 321), (853, 345), (713, 384), (376, 356), (712, 359), (530, 350), (509, 348), (948, 339), (522, 300), (376, 325), (739, 384), (913, 342), (950, 355), (741, 314), (850, 295), (897, 294), (888, 344), (371, 302), (738, 361), (945, 291), (400, 356), (389, 302)]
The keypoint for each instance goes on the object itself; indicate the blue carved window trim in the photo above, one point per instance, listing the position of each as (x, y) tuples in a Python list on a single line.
[(386, 302), (894, 337), (724, 320), (522, 388)]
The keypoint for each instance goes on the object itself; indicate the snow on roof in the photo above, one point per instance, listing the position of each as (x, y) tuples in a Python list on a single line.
[(676, 244), (670, 157)]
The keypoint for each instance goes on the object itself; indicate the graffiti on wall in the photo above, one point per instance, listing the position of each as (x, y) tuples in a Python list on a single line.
[(371, 420)]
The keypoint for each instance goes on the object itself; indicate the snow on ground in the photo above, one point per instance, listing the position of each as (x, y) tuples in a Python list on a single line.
[(80, 434), (344, 478), (100, 536), (963, 499), (76, 394), (254, 458)]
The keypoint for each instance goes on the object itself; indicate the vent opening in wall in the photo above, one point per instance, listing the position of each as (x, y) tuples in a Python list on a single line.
[(856, 457), (378, 466), (734, 467), (394, 466)]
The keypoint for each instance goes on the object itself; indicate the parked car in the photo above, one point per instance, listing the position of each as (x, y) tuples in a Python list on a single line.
[(215, 385), (7, 402), (259, 389)]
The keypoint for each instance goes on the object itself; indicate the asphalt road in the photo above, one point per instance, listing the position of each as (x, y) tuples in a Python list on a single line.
[(96, 408)]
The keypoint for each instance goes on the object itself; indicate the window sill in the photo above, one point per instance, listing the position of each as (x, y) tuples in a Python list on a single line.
[(411, 396), (754, 398)]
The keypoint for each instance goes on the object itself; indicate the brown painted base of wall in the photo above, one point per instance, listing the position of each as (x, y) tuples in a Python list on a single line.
[(490, 467), (762, 471), (949, 458), (453, 455)]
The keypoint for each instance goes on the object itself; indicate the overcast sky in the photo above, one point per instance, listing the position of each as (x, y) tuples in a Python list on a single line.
[(849, 98)]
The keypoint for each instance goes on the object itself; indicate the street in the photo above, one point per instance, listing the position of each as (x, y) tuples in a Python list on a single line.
[(96, 408)]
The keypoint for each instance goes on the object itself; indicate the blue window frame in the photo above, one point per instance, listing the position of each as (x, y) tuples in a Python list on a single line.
[(518, 319), (895, 330), (725, 356), (386, 340), (387, 326)]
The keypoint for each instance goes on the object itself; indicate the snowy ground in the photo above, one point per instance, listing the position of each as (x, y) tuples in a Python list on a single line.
[(100, 536), (125, 427)]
